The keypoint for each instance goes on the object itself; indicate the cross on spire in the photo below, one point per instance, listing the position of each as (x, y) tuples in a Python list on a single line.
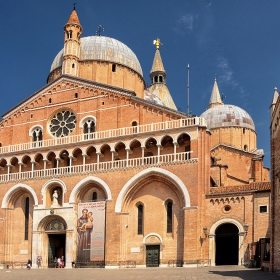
[(99, 30), (74, 6)]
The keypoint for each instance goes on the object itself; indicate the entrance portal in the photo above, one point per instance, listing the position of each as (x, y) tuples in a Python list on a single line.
[(56, 248), (227, 245), (152, 255)]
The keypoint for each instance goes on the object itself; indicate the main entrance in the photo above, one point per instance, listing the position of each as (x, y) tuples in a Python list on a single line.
[(56, 248), (152, 255), (227, 244)]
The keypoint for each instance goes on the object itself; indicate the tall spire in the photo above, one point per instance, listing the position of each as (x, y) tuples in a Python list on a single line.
[(158, 77), (157, 73), (215, 98), (72, 42)]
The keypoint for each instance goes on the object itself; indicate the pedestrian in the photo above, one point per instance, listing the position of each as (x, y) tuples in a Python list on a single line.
[(29, 264)]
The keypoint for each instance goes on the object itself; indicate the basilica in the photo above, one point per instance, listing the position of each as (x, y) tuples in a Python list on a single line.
[(97, 167)]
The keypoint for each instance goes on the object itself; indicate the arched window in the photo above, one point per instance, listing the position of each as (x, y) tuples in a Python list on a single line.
[(89, 127), (76, 95), (114, 67), (36, 132), (94, 196), (73, 65), (245, 147), (50, 100), (140, 219), (88, 124), (169, 217), (160, 79), (70, 34), (26, 218), (156, 79)]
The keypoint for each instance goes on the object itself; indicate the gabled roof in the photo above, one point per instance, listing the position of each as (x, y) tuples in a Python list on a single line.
[(90, 83)]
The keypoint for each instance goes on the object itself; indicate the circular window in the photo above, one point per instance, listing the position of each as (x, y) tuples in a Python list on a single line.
[(62, 124), (227, 208)]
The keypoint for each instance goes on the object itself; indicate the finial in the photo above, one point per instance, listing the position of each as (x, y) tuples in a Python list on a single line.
[(99, 30), (158, 43), (74, 6)]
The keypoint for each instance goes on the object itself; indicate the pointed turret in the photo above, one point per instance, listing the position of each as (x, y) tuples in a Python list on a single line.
[(158, 78), (72, 42), (274, 100), (215, 98)]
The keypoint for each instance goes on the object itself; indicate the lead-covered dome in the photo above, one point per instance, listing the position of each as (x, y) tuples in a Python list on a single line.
[(103, 48), (227, 116)]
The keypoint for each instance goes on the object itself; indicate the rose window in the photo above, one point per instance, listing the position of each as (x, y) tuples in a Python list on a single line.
[(62, 124)]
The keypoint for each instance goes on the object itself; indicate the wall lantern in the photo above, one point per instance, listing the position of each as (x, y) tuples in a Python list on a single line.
[(246, 226), (205, 231)]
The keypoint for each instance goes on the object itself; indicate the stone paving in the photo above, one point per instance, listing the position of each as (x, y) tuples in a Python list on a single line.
[(201, 273)]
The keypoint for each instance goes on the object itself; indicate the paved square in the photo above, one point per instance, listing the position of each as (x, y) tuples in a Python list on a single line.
[(222, 272)]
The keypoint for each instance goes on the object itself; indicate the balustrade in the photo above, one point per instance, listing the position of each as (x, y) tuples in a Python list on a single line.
[(99, 167), (99, 135)]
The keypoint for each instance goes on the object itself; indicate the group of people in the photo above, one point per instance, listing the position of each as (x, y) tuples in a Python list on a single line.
[(59, 262)]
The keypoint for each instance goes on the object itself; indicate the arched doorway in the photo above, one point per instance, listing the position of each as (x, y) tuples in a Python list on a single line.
[(227, 244)]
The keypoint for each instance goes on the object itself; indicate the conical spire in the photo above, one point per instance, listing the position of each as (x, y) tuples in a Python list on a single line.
[(158, 76), (73, 18), (215, 98), (157, 64), (157, 73)]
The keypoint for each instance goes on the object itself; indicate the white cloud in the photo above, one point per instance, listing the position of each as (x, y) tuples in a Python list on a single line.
[(186, 21)]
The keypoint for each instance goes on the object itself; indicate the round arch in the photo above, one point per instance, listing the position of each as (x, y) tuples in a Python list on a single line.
[(152, 234), (154, 170), (47, 184), (88, 180), (12, 190), (212, 244)]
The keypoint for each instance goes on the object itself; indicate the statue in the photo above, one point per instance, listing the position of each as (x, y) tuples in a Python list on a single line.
[(55, 198)]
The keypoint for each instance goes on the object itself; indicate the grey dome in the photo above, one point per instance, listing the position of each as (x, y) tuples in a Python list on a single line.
[(104, 49), (226, 116)]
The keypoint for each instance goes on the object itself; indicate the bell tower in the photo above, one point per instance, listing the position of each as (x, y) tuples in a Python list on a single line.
[(72, 43)]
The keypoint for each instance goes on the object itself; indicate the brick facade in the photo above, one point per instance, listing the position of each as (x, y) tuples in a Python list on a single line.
[(137, 153)]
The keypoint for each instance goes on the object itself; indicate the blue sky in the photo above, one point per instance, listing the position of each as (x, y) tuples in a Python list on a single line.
[(233, 40)]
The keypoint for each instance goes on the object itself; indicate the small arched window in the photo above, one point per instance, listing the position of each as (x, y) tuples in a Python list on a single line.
[(76, 95), (160, 79), (89, 127), (169, 217), (140, 219), (156, 79), (50, 100), (243, 130), (69, 34), (94, 196), (245, 147), (26, 218), (73, 65), (114, 67), (0, 144), (37, 136)]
